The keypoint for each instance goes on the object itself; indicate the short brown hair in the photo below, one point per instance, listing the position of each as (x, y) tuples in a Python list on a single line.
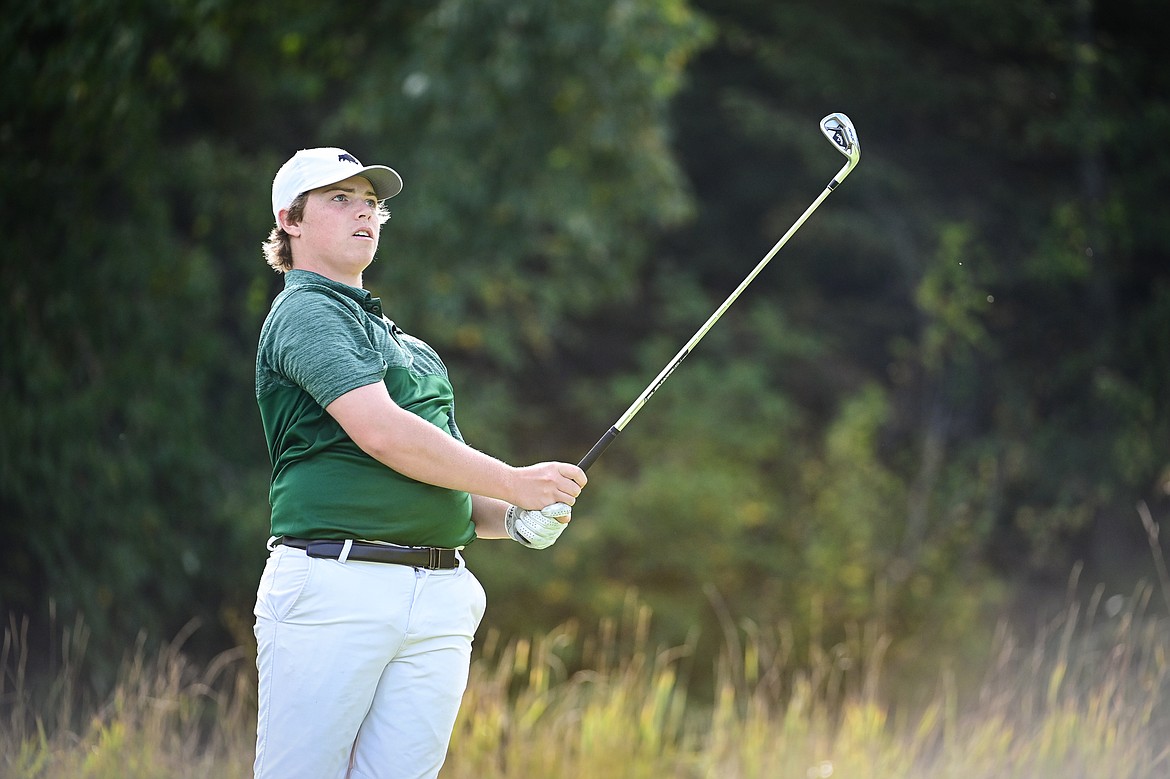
[(278, 247)]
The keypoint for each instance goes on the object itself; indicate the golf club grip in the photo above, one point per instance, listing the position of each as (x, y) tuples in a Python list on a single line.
[(599, 447)]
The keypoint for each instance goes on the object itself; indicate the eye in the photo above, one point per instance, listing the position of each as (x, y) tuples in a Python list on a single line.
[(340, 198), (372, 203)]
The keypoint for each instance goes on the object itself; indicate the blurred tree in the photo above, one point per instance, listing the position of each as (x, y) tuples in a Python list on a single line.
[(146, 134), (962, 359), (537, 172), (967, 378), (991, 265), (118, 468)]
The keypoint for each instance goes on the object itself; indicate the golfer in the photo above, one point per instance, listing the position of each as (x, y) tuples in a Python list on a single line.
[(365, 611)]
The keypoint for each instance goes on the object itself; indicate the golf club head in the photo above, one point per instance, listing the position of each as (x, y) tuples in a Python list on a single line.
[(838, 129)]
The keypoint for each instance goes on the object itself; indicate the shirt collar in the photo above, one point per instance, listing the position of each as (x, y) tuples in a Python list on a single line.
[(367, 301)]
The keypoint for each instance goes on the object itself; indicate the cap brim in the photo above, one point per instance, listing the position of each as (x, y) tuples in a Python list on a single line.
[(387, 183)]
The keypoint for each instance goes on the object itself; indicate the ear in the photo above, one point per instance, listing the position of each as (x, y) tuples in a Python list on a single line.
[(292, 228)]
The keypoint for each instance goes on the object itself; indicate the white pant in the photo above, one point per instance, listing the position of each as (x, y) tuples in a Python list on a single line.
[(362, 666)]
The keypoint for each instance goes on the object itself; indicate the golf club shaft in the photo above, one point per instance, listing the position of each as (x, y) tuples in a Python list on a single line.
[(607, 439)]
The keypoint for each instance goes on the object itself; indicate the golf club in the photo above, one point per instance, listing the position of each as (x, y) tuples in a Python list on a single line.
[(839, 130)]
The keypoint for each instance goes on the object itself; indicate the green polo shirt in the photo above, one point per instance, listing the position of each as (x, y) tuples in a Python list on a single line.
[(322, 339)]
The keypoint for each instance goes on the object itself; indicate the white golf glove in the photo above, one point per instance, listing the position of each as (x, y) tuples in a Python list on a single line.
[(536, 529)]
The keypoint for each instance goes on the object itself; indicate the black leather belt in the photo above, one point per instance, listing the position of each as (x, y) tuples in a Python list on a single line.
[(432, 558)]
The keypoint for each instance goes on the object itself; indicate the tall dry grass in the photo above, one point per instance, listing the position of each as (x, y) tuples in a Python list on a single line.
[(1086, 696), (165, 717)]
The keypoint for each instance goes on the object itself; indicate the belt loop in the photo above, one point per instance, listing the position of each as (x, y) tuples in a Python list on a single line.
[(435, 559), (345, 547), (272, 542)]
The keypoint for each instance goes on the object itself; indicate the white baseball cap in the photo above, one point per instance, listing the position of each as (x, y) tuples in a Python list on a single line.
[(312, 168)]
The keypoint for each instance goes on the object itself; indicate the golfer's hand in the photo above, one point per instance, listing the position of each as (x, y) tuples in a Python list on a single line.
[(537, 529), (544, 484)]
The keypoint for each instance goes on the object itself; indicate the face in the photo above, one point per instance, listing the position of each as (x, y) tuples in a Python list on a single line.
[(338, 234)]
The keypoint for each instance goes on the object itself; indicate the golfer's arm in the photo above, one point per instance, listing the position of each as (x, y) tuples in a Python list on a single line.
[(414, 447), (488, 516)]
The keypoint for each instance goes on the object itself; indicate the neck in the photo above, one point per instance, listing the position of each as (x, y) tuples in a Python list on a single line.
[(352, 278)]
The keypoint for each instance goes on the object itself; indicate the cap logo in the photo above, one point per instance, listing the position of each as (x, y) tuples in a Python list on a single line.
[(347, 157)]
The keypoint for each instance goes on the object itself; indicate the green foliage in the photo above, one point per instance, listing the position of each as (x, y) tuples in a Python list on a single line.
[(985, 265), (535, 175), (133, 466), (957, 371), (117, 453)]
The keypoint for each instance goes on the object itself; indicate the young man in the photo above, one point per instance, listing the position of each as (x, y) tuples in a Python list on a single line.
[(365, 612)]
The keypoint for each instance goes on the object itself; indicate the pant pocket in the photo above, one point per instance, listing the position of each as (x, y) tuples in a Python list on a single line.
[(285, 577), (476, 599)]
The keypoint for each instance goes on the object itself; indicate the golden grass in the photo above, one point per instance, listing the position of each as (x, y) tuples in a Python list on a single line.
[(164, 718), (1083, 700), (1085, 697)]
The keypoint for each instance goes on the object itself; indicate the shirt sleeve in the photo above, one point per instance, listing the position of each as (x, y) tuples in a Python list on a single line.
[(320, 344)]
